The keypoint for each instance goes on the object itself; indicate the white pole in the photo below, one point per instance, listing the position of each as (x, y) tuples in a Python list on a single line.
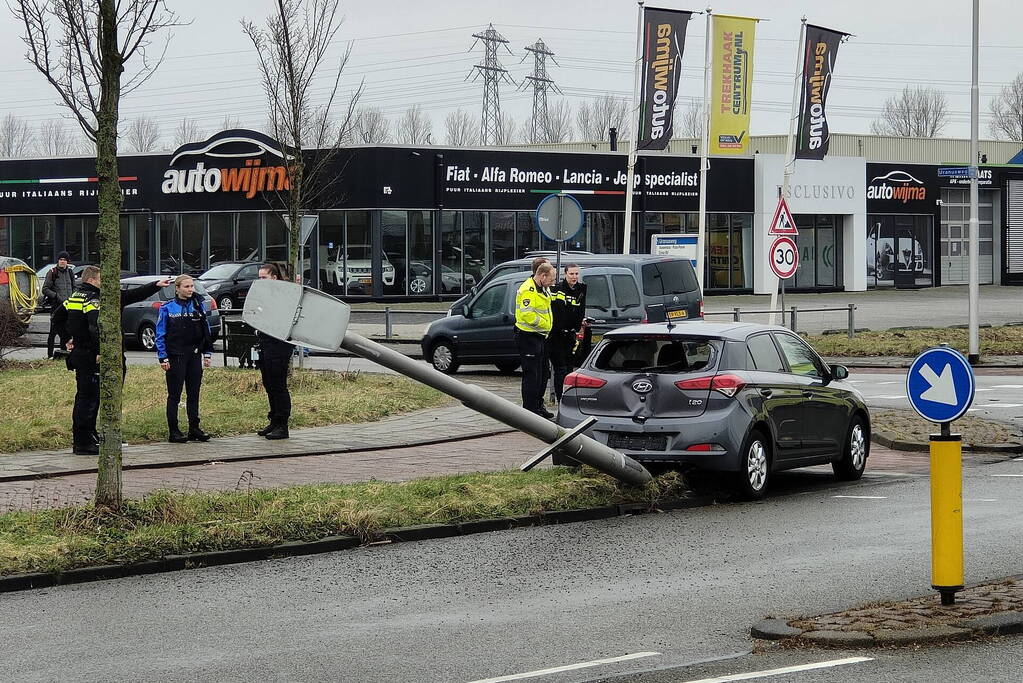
[(701, 234), (790, 147), (974, 256), (634, 129)]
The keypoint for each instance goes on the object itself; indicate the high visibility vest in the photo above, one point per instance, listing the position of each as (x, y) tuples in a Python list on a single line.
[(533, 309)]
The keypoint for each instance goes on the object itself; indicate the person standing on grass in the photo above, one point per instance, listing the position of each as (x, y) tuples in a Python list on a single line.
[(274, 363), (184, 345)]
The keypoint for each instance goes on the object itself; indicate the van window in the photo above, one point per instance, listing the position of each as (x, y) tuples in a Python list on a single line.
[(655, 355), (597, 293), (669, 277), (626, 292), (490, 302)]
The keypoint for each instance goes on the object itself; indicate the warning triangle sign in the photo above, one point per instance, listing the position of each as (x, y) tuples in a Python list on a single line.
[(782, 223)]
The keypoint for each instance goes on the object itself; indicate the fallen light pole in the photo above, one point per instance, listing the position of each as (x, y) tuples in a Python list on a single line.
[(308, 317)]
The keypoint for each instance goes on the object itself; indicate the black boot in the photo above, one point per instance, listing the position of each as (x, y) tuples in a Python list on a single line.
[(279, 431), (84, 445), (267, 429), (195, 433), (176, 436)]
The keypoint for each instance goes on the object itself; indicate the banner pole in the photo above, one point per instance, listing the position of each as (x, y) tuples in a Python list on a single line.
[(790, 147), (634, 124), (701, 232)]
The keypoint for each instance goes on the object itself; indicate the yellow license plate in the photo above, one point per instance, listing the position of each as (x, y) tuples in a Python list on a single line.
[(366, 280), (596, 338), (673, 315)]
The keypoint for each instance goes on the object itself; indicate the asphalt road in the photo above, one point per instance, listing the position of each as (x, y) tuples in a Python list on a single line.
[(685, 585)]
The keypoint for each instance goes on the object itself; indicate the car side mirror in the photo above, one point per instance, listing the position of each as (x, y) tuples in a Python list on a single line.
[(839, 372)]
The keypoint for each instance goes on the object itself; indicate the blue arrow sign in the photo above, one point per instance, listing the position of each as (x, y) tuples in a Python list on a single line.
[(940, 385)]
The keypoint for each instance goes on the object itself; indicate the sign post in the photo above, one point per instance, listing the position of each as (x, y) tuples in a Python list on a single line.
[(783, 255), (559, 217), (940, 385)]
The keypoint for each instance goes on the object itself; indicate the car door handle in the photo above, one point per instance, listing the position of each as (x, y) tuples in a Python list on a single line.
[(766, 393)]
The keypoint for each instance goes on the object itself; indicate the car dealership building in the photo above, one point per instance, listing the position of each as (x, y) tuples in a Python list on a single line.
[(423, 222)]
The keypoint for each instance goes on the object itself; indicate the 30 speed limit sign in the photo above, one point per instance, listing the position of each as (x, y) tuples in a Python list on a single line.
[(784, 257)]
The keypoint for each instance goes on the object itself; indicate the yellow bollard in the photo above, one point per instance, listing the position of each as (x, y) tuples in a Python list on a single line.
[(947, 514)]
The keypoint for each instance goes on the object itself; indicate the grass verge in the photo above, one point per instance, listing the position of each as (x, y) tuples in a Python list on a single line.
[(999, 341), (38, 398), (166, 523)]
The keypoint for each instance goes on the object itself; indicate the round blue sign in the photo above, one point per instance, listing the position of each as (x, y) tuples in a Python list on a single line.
[(940, 384)]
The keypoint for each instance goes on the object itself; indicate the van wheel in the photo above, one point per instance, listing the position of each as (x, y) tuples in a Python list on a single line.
[(754, 467), (507, 367), (443, 358), (854, 454)]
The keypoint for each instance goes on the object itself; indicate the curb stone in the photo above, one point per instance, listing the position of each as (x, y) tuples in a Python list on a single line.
[(888, 441), (169, 563)]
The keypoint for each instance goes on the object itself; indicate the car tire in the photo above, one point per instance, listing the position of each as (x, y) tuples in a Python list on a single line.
[(854, 453), (443, 358), (225, 303), (418, 286), (146, 337), (507, 367), (754, 472)]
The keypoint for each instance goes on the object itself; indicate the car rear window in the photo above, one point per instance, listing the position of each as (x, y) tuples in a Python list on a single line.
[(655, 355), (597, 293), (669, 277), (626, 292)]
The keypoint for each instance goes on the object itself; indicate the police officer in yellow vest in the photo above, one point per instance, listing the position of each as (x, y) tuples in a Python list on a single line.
[(533, 322)]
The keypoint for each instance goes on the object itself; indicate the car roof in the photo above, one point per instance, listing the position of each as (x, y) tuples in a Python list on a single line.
[(697, 328), (141, 279), (523, 274), (583, 259)]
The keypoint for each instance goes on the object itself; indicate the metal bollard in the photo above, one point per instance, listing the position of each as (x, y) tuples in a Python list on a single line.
[(792, 320), (852, 321), (736, 315), (387, 322)]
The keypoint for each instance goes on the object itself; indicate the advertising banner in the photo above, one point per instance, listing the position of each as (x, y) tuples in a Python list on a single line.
[(732, 79), (819, 53), (664, 37)]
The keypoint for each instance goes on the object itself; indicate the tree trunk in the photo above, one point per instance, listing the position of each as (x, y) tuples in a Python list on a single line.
[(108, 482)]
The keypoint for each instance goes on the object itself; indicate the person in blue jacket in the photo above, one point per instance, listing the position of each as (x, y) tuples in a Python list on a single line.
[(184, 345)]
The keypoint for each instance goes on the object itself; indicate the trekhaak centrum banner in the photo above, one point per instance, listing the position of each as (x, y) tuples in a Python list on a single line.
[(664, 37), (731, 83), (819, 53)]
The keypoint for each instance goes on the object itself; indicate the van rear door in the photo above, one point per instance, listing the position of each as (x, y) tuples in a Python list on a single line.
[(671, 290)]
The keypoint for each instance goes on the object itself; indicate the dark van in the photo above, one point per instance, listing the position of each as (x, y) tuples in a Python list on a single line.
[(668, 285)]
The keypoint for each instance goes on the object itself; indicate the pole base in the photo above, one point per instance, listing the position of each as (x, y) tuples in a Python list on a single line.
[(973, 358), (948, 593)]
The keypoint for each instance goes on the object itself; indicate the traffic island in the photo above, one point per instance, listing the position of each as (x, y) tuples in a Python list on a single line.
[(992, 608), (904, 430)]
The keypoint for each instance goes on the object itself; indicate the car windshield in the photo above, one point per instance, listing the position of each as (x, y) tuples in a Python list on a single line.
[(221, 272), (359, 252), (668, 277), (645, 354)]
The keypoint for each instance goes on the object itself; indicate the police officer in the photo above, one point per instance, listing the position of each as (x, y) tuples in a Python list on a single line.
[(569, 307), (184, 344), (82, 325), (274, 361), (533, 322)]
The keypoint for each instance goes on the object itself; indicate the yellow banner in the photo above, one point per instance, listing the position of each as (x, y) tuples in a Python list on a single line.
[(731, 79)]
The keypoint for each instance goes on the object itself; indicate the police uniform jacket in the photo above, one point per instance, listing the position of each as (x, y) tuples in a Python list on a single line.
[(183, 329), (569, 306), (533, 308), (272, 348), (82, 321)]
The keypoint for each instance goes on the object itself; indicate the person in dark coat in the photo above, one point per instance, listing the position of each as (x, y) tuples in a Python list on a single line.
[(274, 363), (569, 306), (57, 287)]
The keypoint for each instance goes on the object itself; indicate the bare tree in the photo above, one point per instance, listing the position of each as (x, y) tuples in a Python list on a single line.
[(461, 130), (594, 118), (1007, 111), (691, 121), (93, 53), (915, 113), (55, 140), (292, 48), (230, 122), (558, 126), (510, 131), (143, 134), (188, 130), (372, 126), (16, 138), (414, 127)]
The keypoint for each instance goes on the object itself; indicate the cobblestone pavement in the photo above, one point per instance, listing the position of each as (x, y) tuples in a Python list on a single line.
[(993, 598)]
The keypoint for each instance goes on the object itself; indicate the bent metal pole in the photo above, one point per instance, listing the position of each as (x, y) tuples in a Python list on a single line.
[(581, 448)]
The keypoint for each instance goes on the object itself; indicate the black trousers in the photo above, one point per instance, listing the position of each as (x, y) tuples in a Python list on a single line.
[(533, 358), (274, 372), (83, 417), (54, 334), (559, 348), (185, 371)]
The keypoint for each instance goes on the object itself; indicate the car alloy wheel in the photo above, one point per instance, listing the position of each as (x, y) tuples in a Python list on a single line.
[(857, 447), (225, 302), (418, 286), (853, 460), (147, 337), (756, 465)]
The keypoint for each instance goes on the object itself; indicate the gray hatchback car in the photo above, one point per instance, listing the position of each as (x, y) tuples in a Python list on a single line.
[(738, 398)]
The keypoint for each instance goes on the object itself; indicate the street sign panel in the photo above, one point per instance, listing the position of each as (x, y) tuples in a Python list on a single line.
[(784, 257), (940, 384), (559, 216), (954, 172), (782, 223), (679, 246)]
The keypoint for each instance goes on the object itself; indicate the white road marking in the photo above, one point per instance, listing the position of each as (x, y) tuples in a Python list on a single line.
[(863, 497), (1007, 475), (980, 500), (1017, 459), (889, 382), (977, 391), (784, 670), (567, 667), (1002, 405), (1007, 386), (890, 397)]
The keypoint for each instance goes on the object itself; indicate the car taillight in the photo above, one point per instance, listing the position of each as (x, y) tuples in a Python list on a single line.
[(728, 385), (701, 308), (156, 304), (577, 379), (213, 304)]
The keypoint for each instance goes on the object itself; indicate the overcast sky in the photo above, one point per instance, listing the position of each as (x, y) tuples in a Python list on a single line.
[(416, 51)]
